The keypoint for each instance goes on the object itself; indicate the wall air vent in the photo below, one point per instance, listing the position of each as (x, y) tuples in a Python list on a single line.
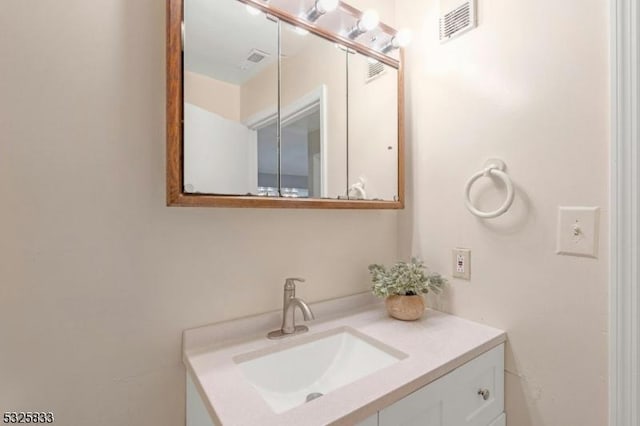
[(254, 57), (456, 17), (374, 70)]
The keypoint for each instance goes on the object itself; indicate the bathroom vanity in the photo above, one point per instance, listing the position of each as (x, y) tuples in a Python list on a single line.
[(355, 366)]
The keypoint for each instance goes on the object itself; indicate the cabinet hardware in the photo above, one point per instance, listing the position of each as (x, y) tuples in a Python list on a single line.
[(484, 393)]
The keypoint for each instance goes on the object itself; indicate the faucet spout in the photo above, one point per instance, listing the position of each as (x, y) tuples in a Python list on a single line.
[(289, 317), (306, 311), (291, 302)]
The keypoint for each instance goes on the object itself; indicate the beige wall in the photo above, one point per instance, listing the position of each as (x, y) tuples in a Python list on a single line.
[(529, 85), (260, 93), (97, 277), (218, 97)]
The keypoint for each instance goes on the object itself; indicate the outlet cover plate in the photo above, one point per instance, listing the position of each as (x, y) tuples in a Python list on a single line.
[(462, 263), (578, 231)]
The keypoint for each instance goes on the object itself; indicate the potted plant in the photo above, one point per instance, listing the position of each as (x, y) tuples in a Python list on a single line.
[(403, 286)]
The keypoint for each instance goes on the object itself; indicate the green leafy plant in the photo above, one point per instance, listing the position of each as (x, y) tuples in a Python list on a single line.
[(405, 279)]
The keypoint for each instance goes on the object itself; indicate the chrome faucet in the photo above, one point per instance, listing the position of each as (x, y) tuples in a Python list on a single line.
[(290, 303)]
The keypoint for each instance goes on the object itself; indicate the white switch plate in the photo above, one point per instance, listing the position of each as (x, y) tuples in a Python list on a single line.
[(578, 231), (462, 263)]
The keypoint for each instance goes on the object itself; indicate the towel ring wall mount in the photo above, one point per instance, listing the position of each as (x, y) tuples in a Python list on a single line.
[(492, 167)]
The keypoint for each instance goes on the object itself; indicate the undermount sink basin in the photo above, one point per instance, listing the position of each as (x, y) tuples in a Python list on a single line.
[(295, 372)]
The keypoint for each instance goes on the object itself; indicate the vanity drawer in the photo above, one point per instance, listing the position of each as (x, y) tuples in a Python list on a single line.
[(475, 393)]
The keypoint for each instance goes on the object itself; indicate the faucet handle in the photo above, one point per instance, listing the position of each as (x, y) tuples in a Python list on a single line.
[(290, 283)]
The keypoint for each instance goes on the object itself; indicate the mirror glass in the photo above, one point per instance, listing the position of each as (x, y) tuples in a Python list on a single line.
[(373, 129), (313, 91), (273, 110), (230, 97)]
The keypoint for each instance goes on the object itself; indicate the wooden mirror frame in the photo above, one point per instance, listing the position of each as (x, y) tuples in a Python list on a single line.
[(175, 134)]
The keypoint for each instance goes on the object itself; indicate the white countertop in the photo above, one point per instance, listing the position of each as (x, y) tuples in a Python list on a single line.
[(436, 345)]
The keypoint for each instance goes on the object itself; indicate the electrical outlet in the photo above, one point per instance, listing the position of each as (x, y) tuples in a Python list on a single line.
[(462, 263)]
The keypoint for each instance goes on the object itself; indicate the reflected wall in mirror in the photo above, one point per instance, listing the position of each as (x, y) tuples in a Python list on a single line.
[(373, 129), (230, 67), (267, 110), (313, 92)]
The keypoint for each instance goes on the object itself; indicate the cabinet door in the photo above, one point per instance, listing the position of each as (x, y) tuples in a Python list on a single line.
[(371, 421), (475, 392), (472, 395), (424, 407), (197, 414)]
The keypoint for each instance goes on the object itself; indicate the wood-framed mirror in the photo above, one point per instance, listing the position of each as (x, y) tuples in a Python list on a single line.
[(266, 108)]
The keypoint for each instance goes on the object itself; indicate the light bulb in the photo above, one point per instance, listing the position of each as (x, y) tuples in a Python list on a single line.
[(252, 10), (320, 7), (369, 20), (402, 38), (325, 6)]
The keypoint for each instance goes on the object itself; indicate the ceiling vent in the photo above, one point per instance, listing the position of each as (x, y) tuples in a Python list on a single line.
[(374, 70), (254, 57), (456, 17)]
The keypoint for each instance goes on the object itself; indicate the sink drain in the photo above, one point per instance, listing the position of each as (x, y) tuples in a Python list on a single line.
[(313, 396)]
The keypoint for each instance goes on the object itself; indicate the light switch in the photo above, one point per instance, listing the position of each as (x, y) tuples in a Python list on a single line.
[(578, 231)]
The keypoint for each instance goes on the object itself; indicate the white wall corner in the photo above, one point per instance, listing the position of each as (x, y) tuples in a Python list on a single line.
[(625, 222)]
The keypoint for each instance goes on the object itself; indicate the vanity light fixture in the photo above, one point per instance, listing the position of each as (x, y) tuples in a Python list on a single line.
[(401, 39), (368, 21), (321, 7)]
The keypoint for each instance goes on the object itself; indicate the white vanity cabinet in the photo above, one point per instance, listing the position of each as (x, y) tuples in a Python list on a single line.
[(457, 382), (371, 421), (471, 395)]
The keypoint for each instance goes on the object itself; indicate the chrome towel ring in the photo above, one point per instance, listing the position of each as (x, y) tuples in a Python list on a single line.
[(492, 167)]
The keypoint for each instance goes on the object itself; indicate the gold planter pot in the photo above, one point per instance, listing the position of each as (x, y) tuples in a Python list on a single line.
[(405, 308)]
